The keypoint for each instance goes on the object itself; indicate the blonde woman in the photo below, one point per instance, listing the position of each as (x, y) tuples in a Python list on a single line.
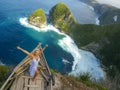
[(35, 60)]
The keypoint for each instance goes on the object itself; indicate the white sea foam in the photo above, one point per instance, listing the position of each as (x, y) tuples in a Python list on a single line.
[(23, 21), (97, 21), (91, 8), (84, 61), (115, 18), (115, 3), (65, 61), (86, 5), (1, 63)]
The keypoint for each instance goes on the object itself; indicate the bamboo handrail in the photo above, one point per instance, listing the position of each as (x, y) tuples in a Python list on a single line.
[(23, 65), (3, 86), (46, 63)]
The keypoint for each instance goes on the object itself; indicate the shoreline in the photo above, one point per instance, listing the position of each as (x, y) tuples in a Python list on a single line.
[(62, 43)]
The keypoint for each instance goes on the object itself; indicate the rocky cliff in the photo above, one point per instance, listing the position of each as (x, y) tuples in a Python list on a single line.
[(38, 18), (102, 40), (61, 16)]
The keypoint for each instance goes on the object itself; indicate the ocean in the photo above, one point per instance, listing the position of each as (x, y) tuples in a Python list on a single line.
[(62, 53)]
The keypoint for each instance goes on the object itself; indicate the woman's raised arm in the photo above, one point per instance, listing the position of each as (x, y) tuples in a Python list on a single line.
[(25, 51)]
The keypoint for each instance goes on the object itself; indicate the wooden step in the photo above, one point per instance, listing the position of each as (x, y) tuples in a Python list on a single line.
[(29, 77), (33, 86)]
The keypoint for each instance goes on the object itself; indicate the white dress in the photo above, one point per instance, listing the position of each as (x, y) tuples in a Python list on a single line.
[(33, 66)]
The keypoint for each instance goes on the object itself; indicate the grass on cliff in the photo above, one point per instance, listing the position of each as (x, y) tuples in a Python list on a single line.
[(82, 78), (3, 72), (38, 13), (107, 36), (85, 78), (61, 16)]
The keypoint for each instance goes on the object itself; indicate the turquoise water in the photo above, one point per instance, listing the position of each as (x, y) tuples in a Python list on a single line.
[(62, 53)]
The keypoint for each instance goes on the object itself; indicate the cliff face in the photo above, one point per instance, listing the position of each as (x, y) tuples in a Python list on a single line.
[(61, 16), (64, 82), (3, 71), (37, 18), (102, 40), (111, 16)]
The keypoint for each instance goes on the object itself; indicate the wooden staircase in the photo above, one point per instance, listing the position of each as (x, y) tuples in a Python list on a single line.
[(19, 79)]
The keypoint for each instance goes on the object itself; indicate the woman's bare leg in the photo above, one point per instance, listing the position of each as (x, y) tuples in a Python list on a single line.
[(36, 74)]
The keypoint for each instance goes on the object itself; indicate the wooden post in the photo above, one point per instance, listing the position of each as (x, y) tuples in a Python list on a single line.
[(24, 64), (12, 74)]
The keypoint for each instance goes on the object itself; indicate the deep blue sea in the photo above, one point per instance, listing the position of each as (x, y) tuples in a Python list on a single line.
[(62, 53)]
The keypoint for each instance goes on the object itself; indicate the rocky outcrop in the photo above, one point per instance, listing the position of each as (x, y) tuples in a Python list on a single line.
[(65, 82), (61, 16), (111, 16), (94, 48), (38, 18)]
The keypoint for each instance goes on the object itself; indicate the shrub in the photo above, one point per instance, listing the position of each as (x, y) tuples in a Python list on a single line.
[(3, 71)]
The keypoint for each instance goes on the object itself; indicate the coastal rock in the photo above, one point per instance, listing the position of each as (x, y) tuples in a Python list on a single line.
[(61, 16), (108, 14), (38, 18), (112, 16), (94, 48)]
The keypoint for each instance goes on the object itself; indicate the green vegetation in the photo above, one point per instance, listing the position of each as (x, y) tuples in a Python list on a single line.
[(3, 71), (82, 78), (54, 71), (37, 18), (61, 16), (85, 78), (106, 36)]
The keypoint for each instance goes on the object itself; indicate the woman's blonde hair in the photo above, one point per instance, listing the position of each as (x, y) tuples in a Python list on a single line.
[(37, 49)]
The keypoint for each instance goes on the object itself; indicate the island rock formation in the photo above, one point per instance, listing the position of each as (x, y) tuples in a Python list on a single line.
[(61, 16), (38, 18)]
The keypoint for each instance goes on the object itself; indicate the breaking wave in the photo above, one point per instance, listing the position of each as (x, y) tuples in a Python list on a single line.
[(1, 63), (84, 61)]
